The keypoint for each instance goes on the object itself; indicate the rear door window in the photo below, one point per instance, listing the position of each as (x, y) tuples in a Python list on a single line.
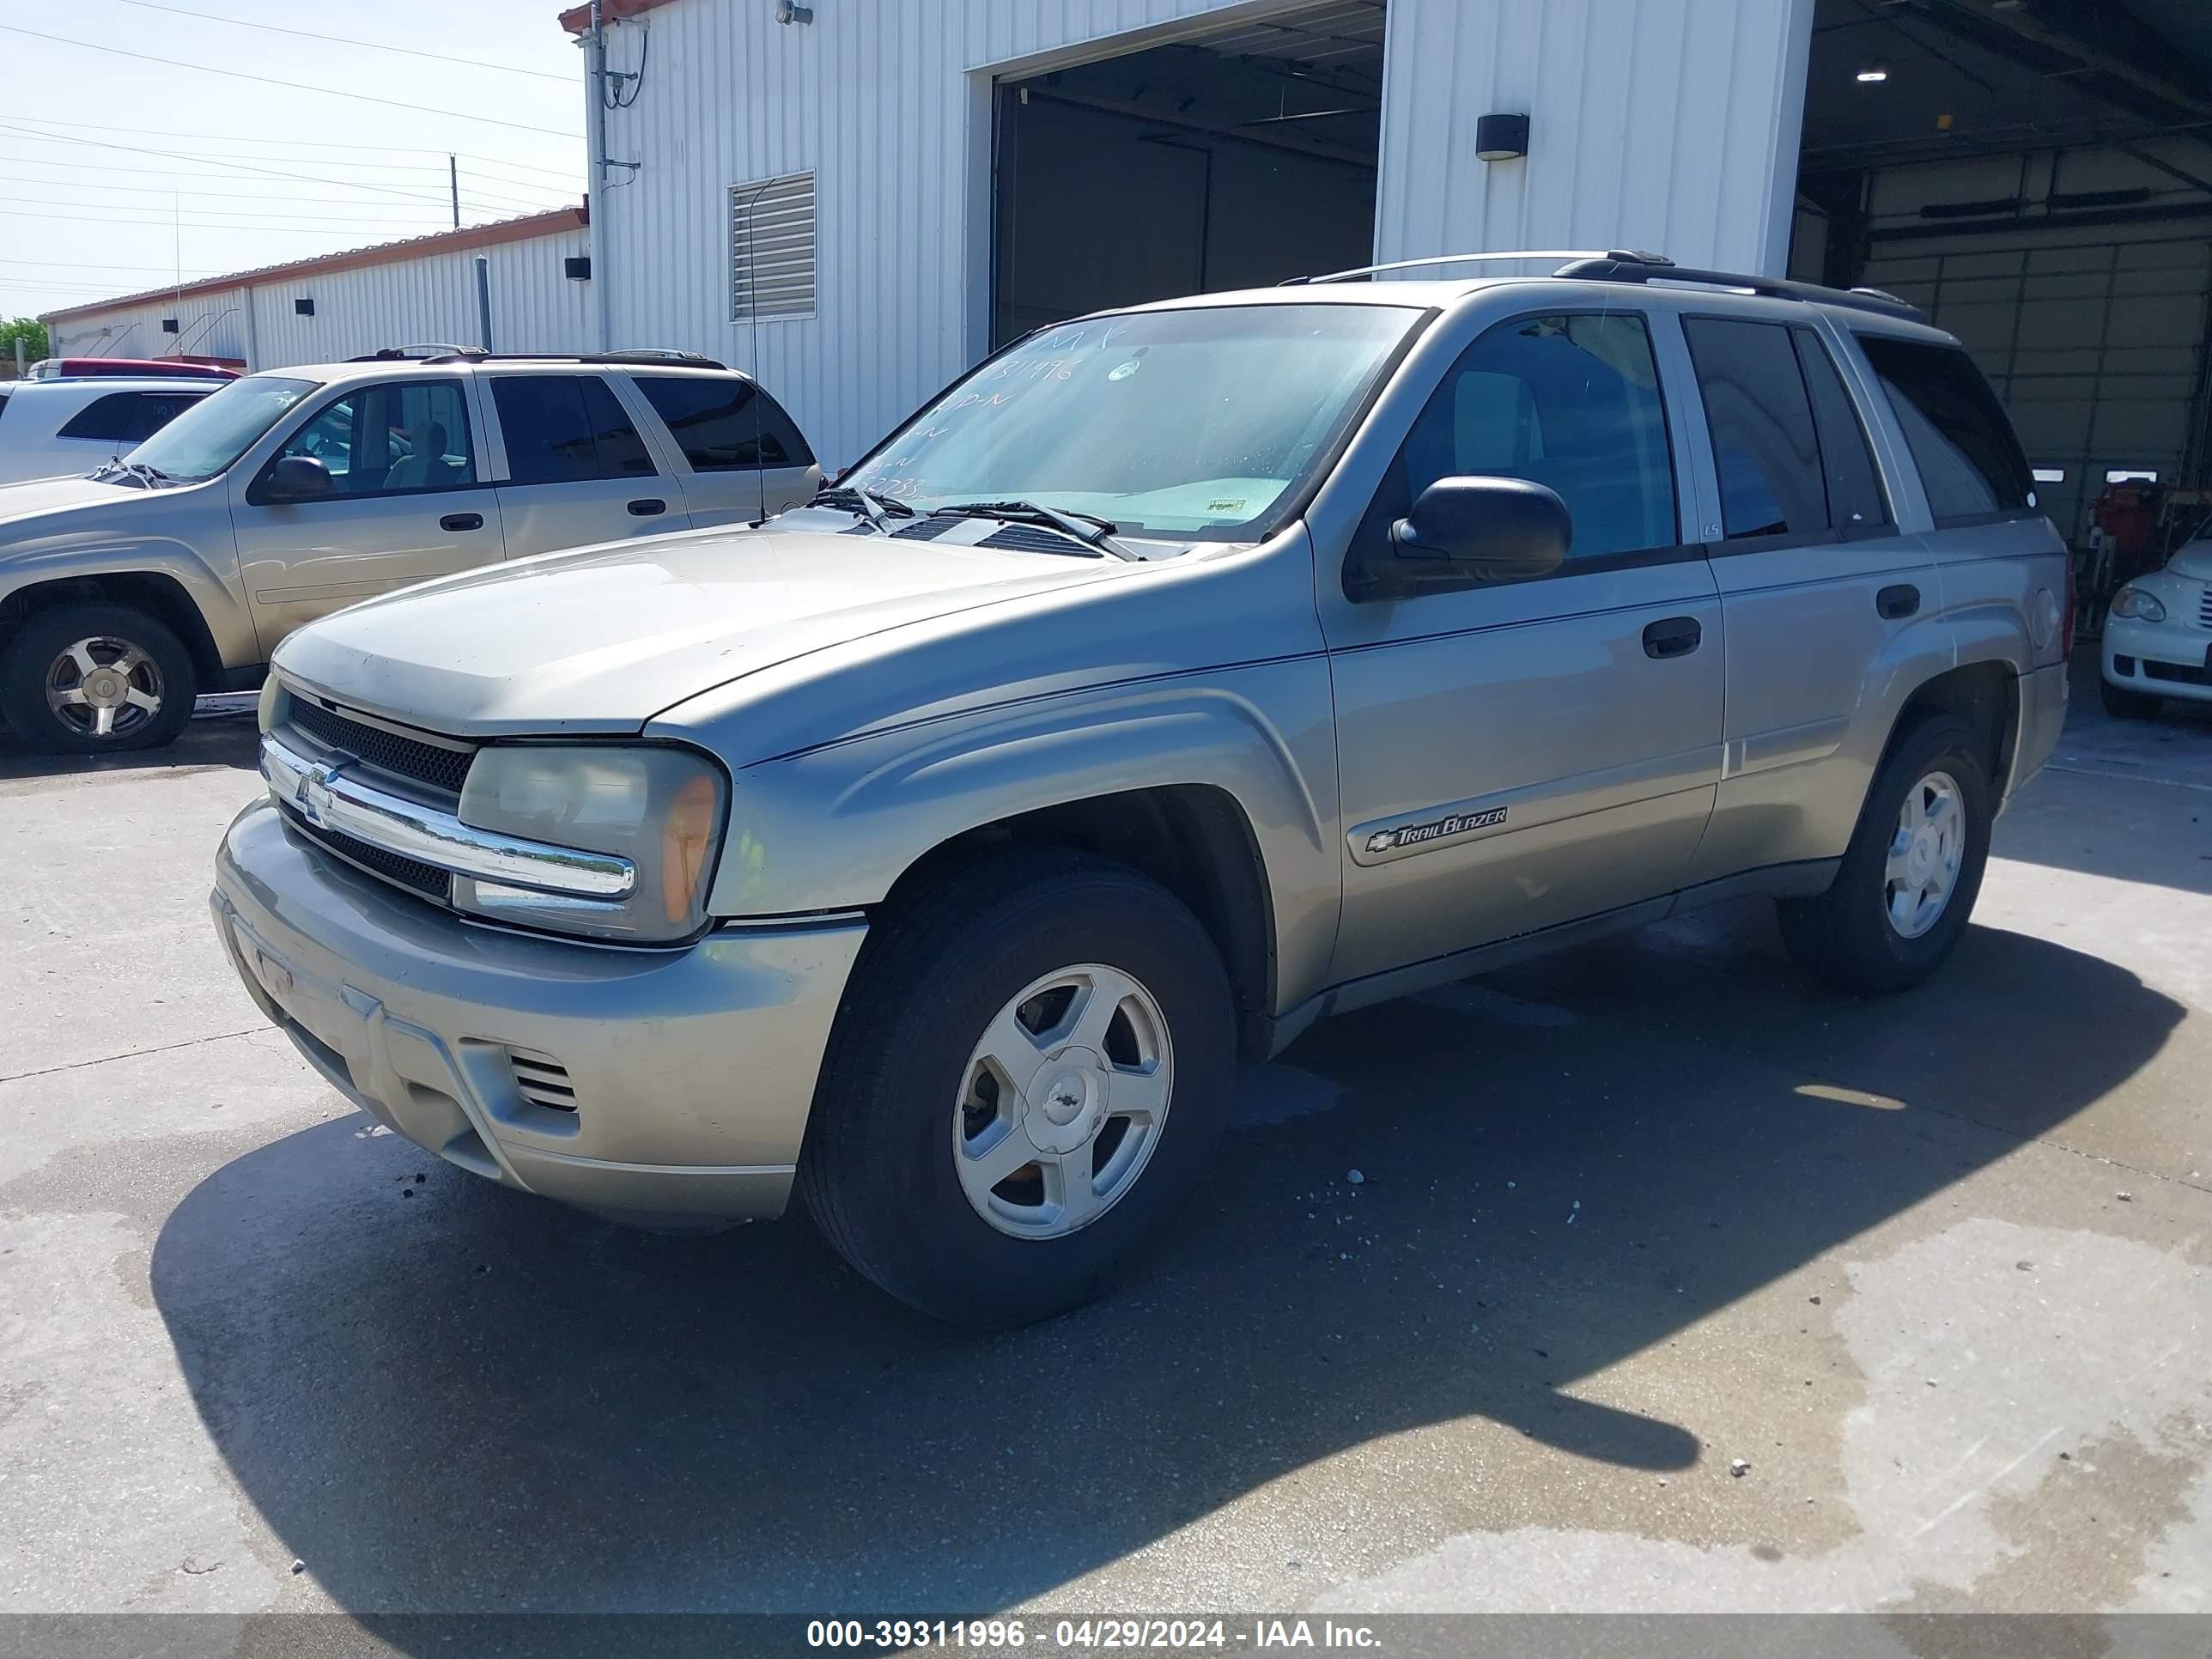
[(724, 425), (1970, 461), (566, 428), (1766, 447)]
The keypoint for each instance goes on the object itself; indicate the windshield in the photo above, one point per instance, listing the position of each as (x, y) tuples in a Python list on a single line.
[(1180, 423), (216, 431)]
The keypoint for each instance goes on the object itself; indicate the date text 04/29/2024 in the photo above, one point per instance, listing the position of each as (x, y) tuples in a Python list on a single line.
[(986, 1636)]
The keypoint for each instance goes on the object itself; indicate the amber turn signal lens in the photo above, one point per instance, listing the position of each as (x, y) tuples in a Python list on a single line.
[(687, 836)]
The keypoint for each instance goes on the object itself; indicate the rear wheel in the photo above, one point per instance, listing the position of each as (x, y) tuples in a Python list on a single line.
[(1031, 1068), (2122, 704), (1908, 880), (89, 679)]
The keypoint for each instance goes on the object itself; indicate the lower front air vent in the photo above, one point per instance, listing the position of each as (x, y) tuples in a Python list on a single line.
[(541, 1081)]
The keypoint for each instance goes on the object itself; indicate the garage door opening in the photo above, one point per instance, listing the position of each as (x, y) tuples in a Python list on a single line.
[(1231, 159), (2038, 179)]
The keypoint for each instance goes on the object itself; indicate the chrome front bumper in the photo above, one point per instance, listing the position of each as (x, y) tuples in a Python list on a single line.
[(689, 1072)]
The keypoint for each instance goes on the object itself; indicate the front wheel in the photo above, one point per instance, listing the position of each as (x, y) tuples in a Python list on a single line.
[(91, 680), (1909, 879), (1029, 1069)]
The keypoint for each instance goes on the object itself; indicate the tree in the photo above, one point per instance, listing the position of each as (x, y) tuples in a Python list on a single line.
[(31, 331)]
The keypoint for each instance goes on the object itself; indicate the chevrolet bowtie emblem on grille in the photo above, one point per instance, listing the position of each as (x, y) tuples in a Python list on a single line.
[(313, 793)]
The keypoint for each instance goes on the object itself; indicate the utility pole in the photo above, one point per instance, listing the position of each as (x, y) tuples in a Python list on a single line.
[(595, 178), (453, 173)]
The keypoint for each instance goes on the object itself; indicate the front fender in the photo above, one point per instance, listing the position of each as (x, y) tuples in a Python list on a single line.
[(833, 827), (209, 580)]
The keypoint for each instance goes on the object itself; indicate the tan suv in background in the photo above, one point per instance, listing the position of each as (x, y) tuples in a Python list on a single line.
[(285, 495)]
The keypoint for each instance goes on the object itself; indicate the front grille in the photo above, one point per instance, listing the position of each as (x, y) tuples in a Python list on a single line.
[(2179, 673), (2204, 609), (425, 762), (543, 1082), (413, 874)]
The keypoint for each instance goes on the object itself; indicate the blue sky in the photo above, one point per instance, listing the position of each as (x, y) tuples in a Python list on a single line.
[(116, 170)]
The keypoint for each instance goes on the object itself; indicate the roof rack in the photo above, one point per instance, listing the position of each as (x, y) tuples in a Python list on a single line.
[(1629, 265), (1358, 272), (454, 354), (1638, 268)]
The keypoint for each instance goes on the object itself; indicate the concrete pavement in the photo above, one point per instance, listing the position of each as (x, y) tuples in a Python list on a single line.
[(1937, 1269)]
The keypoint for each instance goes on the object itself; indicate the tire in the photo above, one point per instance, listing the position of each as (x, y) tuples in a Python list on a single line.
[(2122, 704), (44, 662), (1848, 936), (904, 1088)]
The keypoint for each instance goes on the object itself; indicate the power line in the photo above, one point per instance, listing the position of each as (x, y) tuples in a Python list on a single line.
[(526, 166), (289, 86), (202, 195), (565, 174), (340, 40), (241, 167), (89, 264), (432, 203), (283, 143), (366, 227)]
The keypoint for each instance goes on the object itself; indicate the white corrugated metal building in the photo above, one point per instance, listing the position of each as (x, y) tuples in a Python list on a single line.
[(935, 176), (1150, 146), (341, 305), (862, 200)]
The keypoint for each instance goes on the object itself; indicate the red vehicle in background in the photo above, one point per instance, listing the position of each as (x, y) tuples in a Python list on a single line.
[(137, 368)]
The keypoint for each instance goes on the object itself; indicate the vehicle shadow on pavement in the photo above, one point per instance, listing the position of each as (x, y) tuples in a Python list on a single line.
[(443, 1396), (222, 735)]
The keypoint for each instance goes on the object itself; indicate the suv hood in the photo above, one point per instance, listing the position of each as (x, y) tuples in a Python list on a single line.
[(42, 498), (602, 639)]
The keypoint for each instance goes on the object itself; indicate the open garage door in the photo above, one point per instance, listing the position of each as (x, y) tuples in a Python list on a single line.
[(1229, 159), (2040, 179)]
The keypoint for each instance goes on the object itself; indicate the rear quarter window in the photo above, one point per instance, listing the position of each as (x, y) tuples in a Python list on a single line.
[(1969, 463), (725, 424)]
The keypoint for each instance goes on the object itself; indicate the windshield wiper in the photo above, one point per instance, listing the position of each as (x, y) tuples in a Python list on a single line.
[(853, 499), (149, 477), (1083, 527)]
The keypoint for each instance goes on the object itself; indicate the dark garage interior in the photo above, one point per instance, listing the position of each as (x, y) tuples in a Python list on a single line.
[(1242, 155), (2038, 175)]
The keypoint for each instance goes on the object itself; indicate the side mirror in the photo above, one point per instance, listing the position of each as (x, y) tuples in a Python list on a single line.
[(1481, 530), (297, 478)]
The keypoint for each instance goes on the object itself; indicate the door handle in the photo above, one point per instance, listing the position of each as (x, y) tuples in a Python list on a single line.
[(1899, 601), (461, 521), (647, 508), (1673, 636)]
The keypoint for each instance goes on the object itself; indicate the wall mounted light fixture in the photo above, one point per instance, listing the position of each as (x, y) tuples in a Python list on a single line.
[(1501, 137), (787, 13)]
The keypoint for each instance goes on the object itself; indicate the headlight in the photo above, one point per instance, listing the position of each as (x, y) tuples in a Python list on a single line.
[(2133, 604), (267, 712), (660, 808)]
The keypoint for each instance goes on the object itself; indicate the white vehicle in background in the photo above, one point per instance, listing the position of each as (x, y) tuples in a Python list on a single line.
[(66, 426), (2158, 635)]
